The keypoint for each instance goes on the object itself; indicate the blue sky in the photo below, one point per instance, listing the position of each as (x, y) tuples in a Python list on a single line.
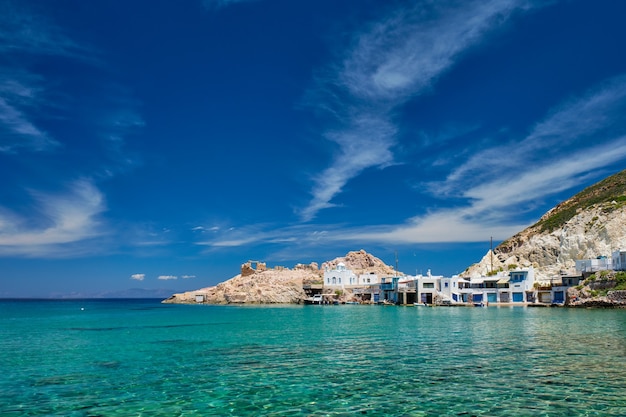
[(159, 145)]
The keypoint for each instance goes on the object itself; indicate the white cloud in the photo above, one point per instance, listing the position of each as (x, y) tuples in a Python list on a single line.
[(188, 276), (397, 58), (505, 181), (590, 120), (496, 185), (167, 277), (443, 226), (57, 224), (138, 277), (66, 218)]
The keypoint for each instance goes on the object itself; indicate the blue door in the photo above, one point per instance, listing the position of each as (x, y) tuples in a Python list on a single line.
[(492, 297), (477, 298), (518, 297), (559, 297)]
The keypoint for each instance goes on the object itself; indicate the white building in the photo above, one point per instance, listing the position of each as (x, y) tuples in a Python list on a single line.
[(515, 286), (601, 263), (619, 260), (451, 288), (339, 277), (428, 288), (368, 279)]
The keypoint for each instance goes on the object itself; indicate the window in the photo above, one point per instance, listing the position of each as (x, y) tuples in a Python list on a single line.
[(446, 285), (429, 285)]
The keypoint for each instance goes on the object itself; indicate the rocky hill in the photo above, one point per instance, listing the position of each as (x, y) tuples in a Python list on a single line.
[(361, 262), (590, 224), (256, 284)]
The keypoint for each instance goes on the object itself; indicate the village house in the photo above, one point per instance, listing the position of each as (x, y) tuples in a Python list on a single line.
[(514, 287), (365, 286), (601, 263), (339, 277), (618, 260)]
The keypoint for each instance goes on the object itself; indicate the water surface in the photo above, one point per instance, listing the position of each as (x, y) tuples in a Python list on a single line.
[(140, 357)]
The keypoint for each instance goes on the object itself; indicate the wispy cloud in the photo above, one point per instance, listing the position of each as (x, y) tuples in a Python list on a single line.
[(167, 277), (396, 59), (66, 218), (24, 32), (592, 119), (138, 277), (500, 183), (494, 186), (41, 110), (30, 96), (26, 37), (219, 4), (20, 96)]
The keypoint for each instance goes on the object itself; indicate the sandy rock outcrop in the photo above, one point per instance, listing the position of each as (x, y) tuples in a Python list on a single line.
[(268, 286)]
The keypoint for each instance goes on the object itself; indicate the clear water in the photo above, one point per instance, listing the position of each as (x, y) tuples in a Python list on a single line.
[(142, 358)]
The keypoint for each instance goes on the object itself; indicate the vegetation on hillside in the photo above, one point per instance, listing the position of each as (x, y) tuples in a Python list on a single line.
[(610, 193), (602, 282)]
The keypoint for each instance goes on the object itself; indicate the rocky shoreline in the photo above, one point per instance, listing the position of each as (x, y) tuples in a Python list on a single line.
[(613, 299)]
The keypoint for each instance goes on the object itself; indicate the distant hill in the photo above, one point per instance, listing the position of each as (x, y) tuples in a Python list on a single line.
[(592, 223), (127, 293)]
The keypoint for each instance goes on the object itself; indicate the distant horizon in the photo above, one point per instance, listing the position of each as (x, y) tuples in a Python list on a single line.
[(162, 144)]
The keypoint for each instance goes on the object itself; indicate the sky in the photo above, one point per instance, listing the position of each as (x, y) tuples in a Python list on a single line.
[(158, 145)]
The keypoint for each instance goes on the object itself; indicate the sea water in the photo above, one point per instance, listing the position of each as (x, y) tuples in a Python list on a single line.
[(143, 358)]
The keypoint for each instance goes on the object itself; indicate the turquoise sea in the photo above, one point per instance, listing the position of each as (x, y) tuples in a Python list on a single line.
[(143, 358)]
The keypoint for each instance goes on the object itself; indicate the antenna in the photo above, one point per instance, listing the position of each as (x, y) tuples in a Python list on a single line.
[(396, 263), (491, 252)]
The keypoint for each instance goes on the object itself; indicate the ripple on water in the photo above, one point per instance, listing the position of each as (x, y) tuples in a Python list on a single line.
[(327, 361)]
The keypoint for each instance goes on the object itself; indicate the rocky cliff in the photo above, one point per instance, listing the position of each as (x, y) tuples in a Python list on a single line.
[(256, 284), (590, 224)]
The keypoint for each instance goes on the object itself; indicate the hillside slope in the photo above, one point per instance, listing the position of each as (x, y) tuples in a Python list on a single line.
[(590, 224)]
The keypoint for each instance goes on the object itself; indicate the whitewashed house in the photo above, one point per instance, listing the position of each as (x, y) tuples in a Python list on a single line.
[(451, 289), (339, 277), (368, 279), (428, 288), (618, 260), (516, 286), (601, 263), (521, 285)]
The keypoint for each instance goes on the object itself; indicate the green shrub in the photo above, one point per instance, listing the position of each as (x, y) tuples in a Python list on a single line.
[(620, 281)]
